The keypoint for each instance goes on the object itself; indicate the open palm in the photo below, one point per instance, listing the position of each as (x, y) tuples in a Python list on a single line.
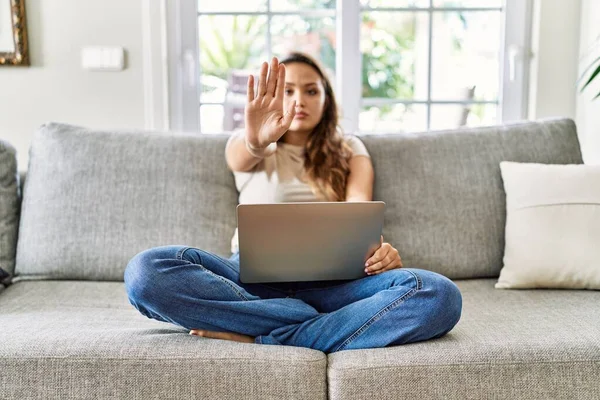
[(265, 119)]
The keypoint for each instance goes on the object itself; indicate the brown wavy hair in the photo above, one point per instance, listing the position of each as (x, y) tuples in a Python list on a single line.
[(327, 156)]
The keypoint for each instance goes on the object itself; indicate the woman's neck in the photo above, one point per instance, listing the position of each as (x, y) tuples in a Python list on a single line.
[(295, 138)]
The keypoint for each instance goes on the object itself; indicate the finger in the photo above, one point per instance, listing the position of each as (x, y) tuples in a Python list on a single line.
[(378, 256), (262, 80), (383, 264), (381, 240), (273, 75), (289, 115), (250, 88), (384, 268), (395, 257), (280, 88), (374, 268), (395, 263)]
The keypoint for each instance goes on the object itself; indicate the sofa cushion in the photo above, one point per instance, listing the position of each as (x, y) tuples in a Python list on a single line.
[(77, 339), (520, 344), (94, 199), (9, 209), (445, 200)]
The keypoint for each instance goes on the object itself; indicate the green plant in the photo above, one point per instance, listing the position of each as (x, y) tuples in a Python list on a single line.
[(595, 66), (225, 50), (387, 60)]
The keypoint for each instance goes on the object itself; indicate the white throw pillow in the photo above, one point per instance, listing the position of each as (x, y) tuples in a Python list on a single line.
[(552, 226)]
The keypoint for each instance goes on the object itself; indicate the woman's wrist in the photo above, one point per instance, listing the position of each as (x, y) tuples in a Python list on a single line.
[(260, 152)]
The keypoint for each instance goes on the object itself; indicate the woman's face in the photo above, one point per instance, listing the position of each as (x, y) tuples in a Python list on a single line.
[(303, 84)]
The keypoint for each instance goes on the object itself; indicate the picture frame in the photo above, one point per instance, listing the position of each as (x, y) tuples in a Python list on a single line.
[(14, 46)]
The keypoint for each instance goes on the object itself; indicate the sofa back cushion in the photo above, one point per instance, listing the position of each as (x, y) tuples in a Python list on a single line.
[(445, 200), (94, 199), (9, 209)]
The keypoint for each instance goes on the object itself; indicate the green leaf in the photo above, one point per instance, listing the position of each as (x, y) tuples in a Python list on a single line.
[(251, 21), (589, 67), (211, 58), (594, 74)]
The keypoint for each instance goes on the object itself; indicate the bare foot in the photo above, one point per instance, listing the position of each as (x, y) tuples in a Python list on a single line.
[(236, 337)]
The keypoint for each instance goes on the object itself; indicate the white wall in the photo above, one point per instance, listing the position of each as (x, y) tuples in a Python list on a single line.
[(56, 88), (588, 111), (555, 48), (562, 35)]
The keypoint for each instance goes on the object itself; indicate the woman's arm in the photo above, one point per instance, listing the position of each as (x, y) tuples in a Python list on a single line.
[(241, 157), (360, 188), (360, 181)]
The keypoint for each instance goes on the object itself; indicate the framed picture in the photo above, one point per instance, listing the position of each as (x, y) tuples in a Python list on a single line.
[(14, 49)]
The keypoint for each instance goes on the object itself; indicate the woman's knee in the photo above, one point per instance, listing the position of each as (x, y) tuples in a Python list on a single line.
[(140, 275), (444, 301)]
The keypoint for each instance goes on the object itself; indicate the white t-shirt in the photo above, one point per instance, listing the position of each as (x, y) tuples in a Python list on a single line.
[(279, 178)]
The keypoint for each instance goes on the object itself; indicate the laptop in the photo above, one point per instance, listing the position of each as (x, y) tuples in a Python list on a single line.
[(308, 241)]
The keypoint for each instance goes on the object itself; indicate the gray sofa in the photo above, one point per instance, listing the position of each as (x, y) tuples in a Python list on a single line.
[(93, 199)]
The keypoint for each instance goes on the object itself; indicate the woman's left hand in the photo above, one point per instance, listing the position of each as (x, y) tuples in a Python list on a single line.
[(384, 259)]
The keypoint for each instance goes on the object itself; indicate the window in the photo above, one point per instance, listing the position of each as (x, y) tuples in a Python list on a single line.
[(398, 65), (235, 37), (429, 66)]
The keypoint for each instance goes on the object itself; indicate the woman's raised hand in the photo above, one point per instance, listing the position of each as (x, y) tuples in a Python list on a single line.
[(266, 120)]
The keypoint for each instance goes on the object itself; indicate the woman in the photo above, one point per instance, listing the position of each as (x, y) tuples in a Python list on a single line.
[(291, 150)]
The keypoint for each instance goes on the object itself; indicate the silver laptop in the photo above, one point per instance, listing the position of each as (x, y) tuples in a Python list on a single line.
[(291, 242)]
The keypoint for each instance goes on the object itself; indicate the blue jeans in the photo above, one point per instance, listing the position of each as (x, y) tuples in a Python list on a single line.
[(196, 289)]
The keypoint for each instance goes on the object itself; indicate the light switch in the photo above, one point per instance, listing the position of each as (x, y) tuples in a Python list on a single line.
[(97, 58)]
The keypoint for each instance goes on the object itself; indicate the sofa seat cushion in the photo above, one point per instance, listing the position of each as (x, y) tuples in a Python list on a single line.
[(509, 344), (75, 339)]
